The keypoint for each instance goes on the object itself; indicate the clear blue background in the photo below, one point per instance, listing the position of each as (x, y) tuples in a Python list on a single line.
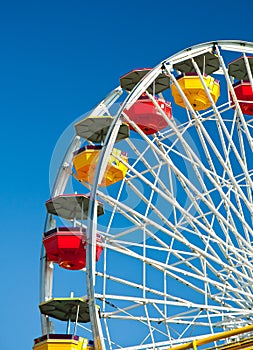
[(57, 60)]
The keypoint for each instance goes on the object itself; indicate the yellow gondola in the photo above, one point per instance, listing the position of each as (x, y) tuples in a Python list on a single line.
[(62, 342), (85, 162), (195, 92)]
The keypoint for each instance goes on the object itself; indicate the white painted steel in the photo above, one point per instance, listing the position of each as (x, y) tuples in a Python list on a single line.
[(177, 231)]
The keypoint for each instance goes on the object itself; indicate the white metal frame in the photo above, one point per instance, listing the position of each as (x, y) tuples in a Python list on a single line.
[(204, 244)]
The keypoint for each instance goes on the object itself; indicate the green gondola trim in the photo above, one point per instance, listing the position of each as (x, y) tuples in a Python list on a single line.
[(95, 128), (130, 80), (71, 207), (65, 309), (208, 63), (237, 68)]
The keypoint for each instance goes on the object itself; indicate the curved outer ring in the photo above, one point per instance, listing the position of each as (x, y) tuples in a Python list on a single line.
[(63, 175)]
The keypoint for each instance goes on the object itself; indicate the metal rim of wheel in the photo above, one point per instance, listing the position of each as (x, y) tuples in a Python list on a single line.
[(177, 229)]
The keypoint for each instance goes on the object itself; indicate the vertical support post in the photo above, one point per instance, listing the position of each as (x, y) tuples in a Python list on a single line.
[(90, 273), (77, 314)]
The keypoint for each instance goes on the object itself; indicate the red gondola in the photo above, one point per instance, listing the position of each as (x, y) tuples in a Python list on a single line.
[(244, 95), (238, 69), (145, 114), (66, 247)]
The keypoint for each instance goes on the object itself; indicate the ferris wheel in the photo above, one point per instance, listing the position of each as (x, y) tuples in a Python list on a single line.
[(152, 211)]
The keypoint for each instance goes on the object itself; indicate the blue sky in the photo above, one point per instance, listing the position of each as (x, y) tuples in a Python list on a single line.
[(58, 60)]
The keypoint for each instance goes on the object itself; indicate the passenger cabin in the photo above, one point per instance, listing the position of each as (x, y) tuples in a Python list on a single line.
[(242, 87), (244, 95), (62, 342), (146, 115), (70, 310), (85, 162), (195, 92), (66, 246)]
